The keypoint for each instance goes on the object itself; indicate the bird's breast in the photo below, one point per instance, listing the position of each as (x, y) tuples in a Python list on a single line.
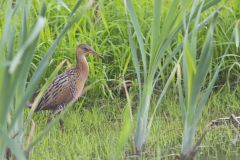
[(77, 85)]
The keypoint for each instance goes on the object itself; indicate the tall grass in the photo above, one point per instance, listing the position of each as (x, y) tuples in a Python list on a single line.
[(150, 63), (198, 77), (18, 44), (194, 74), (105, 29)]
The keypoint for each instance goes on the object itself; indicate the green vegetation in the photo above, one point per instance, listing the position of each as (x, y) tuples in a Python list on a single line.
[(140, 49), (93, 132)]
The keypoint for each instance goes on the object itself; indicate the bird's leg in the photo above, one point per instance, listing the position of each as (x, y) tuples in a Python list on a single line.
[(54, 113), (61, 121), (50, 117)]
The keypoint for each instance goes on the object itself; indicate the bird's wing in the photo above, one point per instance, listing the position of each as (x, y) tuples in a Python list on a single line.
[(58, 94)]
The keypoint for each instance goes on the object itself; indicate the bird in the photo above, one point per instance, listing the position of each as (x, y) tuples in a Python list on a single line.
[(68, 86)]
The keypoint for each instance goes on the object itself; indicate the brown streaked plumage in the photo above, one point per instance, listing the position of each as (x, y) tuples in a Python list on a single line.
[(68, 86)]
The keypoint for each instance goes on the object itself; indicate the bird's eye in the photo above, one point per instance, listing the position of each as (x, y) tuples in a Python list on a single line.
[(85, 48)]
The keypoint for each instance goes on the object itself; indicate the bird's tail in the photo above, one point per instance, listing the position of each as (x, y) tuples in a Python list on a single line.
[(30, 102)]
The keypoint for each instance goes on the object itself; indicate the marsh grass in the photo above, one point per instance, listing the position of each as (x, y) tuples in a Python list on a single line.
[(93, 132), (96, 124), (149, 66)]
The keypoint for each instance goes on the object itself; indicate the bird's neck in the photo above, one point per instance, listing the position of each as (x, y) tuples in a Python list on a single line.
[(82, 65)]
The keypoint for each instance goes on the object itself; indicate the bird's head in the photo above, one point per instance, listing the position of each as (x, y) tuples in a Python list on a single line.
[(84, 49)]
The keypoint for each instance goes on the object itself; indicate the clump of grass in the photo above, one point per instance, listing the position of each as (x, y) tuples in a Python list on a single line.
[(150, 66), (194, 74), (195, 92)]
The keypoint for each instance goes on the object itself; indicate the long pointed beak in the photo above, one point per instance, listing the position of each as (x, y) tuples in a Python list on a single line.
[(92, 52)]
